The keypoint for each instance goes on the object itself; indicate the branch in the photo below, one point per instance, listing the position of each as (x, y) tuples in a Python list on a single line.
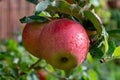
[(33, 65)]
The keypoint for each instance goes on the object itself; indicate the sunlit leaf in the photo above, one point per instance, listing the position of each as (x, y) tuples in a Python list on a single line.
[(89, 57), (116, 52), (43, 13), (92, 75)]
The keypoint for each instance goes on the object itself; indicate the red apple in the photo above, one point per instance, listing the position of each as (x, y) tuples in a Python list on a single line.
[(30, 37), (42, 75), (63, 43)]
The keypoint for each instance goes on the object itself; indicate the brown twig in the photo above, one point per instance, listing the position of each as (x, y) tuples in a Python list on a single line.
[(33, 65)]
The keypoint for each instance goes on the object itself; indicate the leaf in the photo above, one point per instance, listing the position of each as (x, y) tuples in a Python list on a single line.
[(112, 47), (105, 35), (94, 19), (42, 6), (89, 57), (114, 31), (64, 7), (96, 53), (1, 65), (93, 75), (114, 34), (88, 25), (117, 52), (43, 13), (33, 1), (32, 19)]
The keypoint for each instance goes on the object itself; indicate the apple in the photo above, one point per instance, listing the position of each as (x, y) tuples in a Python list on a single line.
[(63, 43), (30, 37), (41, 75)]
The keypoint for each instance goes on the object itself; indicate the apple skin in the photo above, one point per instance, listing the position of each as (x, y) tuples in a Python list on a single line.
[(63, 43), (30, 37), (42, 75)]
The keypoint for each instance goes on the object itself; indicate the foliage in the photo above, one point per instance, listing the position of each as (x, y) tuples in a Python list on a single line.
[(17, 64)]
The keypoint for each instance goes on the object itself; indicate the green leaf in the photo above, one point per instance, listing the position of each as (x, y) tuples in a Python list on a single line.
[(94, 19), (33, 1), (42, 6), (32, 19), (1, 64), (64, 7), (112, 47), (12, 45), (92, 74), (43, 13), (105, 35), (88, 25), (96, 53), (116, 36), (117, 52), (25, 20), (114, 33), (89, 57)]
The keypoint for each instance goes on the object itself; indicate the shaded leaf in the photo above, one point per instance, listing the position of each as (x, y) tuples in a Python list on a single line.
[(112, 47), (96, 53), (94, 19), (88, 25), (33, 1), (114, 34), (64, 7), (114, 31), (32, 19)]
